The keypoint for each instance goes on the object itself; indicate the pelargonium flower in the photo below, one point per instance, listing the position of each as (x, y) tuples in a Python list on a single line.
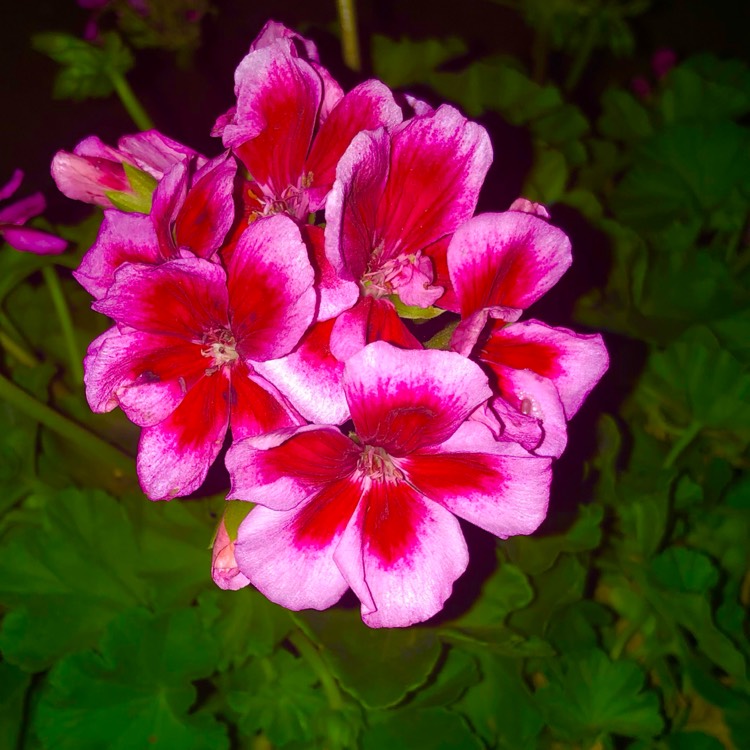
[(376, 512), (181, 360), (94, 170), (500, 264), (14, 216), (192, 212), (396, 201), (292, 122)]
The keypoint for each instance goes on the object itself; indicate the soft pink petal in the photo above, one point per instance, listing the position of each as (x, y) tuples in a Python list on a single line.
[(185, 298), (288, 555), (402, 556), (271, 291), (169, 197), (311, 377), (507, 260), (224, 568), (285, 468), (175, 455), (274, 32), (352, 205), (573, 362), (94, 147), (208, 211), (123, 238), (369, 320), (470, 476), (437, 166), (88, 178), (403, 400), (278, 96), (366, 107), (32, 240), (19, 212), (156, 153), (529, 207), (257, 406)]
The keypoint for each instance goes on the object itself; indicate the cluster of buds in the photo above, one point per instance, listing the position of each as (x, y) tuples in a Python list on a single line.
[(270, 293)]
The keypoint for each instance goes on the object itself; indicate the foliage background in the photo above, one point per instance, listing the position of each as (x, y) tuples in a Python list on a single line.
[(622, 623)]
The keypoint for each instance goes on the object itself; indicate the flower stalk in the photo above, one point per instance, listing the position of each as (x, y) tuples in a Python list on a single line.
[(75, 360)]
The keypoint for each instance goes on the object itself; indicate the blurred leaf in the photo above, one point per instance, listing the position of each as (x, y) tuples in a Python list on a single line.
[(623, 117), (135, 691), (409, 728), (13, 686), (548, 177), (65, 577), (378, 666), (87, 69), (685, 570), (576, 627), (451, 680), (589, 695), (406, 61)]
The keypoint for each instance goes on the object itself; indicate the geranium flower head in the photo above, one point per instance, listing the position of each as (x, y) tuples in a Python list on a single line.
[(376, 512)]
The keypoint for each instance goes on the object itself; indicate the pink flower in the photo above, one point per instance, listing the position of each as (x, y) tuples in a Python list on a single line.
[(395, 203), (192, 212), (292, 122), (94, 169), (376, 512), (224, 569), (14, 216), (500, 264), (181, 361)]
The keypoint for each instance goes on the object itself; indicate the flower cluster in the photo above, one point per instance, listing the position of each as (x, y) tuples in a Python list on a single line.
[(268, 294)]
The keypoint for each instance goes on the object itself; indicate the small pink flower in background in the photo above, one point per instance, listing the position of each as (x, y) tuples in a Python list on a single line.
[(662, 61), (181, 360), (376, 512), (14, 216)]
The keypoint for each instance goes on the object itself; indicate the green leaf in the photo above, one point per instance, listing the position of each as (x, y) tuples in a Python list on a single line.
[(378, 666), (135, 691), (66, 576), (548, 177), (693, 741), (623, 117), (87, 69), (277, 695), (13, 686), (589, 695), (685, 570), (412, 312), (411, 728), (244, 623), (405, 62), (450, 682)]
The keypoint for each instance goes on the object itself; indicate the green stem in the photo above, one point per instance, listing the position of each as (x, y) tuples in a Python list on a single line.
[(66, 322), (681, 443), (311, 655), (17, 351), (97, 448), (582, 54), (349, 38), (130, 102)]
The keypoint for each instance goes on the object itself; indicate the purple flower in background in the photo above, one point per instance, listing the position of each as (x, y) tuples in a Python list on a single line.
[(14, 216)]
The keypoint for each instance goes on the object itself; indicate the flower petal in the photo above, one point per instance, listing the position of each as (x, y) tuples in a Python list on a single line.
[(402, 400), (574, 362), (224, 568), (155, 153), (470, 476), (31, 240), (88, 178), (19, 212), (283, 469), (271, 293), (175, 455), (401, 556), (12, 185)]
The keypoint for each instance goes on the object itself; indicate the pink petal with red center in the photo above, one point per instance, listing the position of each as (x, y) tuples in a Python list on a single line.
[(336, 294), (533, 396), (508, 260), (437, 166), (271, 293), (285, 468), (257, 406), (470, 476), (147, 375), (185, 298), (123, 238), (289, 558), (88, 178), (311, 377), (31, 240), (174, 456), (366, 107), (278, 96), (208, 211), (224, 568), (156, 153), (352, 204), (369, 320), (573, 362), (401, 555), (403, 400)]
